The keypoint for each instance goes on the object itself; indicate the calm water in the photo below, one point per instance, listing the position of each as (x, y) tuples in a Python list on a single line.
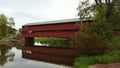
[(11, 57)]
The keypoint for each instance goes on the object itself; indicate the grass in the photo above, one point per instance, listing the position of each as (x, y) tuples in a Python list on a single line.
[(85, 61)]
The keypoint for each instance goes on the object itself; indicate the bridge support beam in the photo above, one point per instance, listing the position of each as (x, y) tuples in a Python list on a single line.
[(29, 41)]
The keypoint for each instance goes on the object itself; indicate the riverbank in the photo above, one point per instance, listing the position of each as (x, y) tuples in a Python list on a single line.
[(16, 60), (13, 40), (81, 62), (94, 61)]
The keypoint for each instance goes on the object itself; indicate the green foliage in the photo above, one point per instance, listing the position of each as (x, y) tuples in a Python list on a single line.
[(101, 29), (11, 31), (112, 56), (114, 44), (112, 12), (89, 44), (114, 18), (100, 26), (86, 61), (55, 42), (6, 26), (85, 10), (106, 59), (3, 26), (106, 20), (95, 38)]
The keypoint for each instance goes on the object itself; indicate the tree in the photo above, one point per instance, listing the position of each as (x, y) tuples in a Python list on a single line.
[(114, 18), (112, 12), (99, 2), (6, 26), (11, 31), (109, 6), (105, 12), (11, 22), (3, 26), (99, 32), (85, 10)]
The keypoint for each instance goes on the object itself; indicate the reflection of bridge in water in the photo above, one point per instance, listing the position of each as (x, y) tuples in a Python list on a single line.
[(49, 54), (59, 29)]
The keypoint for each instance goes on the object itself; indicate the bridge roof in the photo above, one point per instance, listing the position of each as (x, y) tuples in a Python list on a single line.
[(53, 22)]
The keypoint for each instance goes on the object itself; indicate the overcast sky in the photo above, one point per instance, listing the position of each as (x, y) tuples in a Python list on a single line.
[(29, 11)]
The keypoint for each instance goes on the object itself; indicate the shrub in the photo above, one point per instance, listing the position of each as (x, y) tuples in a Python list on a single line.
[(106, 59), (84, 61), (89, 44), (115, 43)]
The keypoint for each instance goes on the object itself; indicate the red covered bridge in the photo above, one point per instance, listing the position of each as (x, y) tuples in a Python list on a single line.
[(59, 28)]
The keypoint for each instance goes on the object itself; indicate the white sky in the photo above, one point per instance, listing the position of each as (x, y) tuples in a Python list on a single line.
[(27, 11)]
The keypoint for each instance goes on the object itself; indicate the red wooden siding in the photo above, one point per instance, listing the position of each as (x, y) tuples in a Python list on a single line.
[(50, 34), (61, 26), (51, 30)]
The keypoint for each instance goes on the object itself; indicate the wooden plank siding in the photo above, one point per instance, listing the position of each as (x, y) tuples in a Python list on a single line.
[(61, 26), (50, 30)]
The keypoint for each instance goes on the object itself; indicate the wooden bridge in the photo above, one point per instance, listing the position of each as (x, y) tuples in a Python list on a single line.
[(59, 28)]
